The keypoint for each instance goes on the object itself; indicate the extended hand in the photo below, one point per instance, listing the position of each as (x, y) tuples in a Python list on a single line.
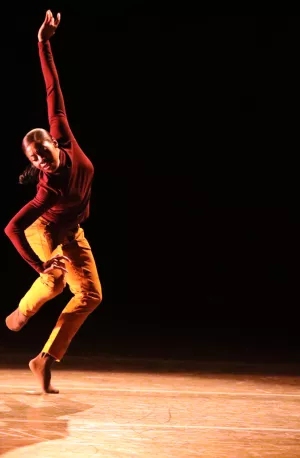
[(49, 26), (57, 262)]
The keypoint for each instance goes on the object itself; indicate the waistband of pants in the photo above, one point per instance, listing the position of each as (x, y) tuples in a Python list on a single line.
[(51, 224)]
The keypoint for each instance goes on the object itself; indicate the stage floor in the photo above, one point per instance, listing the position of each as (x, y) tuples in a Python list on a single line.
[(150, 408)]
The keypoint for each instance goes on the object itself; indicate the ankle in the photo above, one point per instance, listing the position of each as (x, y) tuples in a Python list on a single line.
[(48, 359)]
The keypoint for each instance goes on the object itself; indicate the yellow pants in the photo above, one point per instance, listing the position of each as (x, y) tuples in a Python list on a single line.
[(82, 278)]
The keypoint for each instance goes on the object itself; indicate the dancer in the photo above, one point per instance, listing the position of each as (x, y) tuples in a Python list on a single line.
[(47, 231)]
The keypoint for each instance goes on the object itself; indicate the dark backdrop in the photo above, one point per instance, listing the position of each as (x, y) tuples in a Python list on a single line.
[(192, 123)]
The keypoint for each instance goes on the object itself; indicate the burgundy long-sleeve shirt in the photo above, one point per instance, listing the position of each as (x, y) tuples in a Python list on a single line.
[(62, 197)]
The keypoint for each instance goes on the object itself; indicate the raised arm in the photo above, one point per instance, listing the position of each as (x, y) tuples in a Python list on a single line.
[(47, 195), (59, 126)]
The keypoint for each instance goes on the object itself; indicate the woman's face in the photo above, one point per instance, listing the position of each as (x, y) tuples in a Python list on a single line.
[(43, 155)]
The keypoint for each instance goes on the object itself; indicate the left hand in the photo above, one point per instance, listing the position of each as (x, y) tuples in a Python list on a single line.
[(56, 262), (49, 26)]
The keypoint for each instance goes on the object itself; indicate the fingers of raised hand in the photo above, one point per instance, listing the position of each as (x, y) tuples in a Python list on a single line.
[(57, 20), (48, 17), (50, 20)]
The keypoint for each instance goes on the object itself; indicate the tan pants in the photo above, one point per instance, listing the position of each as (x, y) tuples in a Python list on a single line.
[(82, 278)]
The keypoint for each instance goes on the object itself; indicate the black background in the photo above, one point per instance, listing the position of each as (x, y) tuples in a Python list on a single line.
[(192, 123)]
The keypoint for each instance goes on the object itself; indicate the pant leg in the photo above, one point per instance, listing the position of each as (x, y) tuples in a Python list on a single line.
[(84, 283), (46, 286)]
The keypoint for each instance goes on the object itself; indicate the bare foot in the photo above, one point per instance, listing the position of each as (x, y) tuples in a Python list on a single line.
[(41, 369), (16, 320)]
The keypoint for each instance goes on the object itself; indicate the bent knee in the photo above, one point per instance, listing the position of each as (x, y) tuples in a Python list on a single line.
[(93, 299), (96, 299)]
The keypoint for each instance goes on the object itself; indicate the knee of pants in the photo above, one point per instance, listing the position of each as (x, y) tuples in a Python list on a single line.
[(92, 300), (54, 282), (95, 299)]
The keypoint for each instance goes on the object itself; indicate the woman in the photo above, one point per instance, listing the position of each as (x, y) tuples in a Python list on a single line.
[(46, 231)]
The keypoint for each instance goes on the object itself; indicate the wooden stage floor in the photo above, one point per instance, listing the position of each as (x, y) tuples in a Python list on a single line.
[(150, 408)]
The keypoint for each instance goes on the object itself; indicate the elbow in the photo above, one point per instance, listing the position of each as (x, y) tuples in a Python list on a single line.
[(11, 229), (8, 230)]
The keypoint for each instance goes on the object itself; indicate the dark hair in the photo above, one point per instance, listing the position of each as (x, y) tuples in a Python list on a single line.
[(31, 173)]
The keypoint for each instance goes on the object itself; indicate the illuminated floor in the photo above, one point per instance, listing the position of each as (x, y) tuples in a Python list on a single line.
[(136, 408)]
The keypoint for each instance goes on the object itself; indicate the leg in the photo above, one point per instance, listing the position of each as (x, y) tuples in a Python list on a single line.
[(84, 283), (47, 286)]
